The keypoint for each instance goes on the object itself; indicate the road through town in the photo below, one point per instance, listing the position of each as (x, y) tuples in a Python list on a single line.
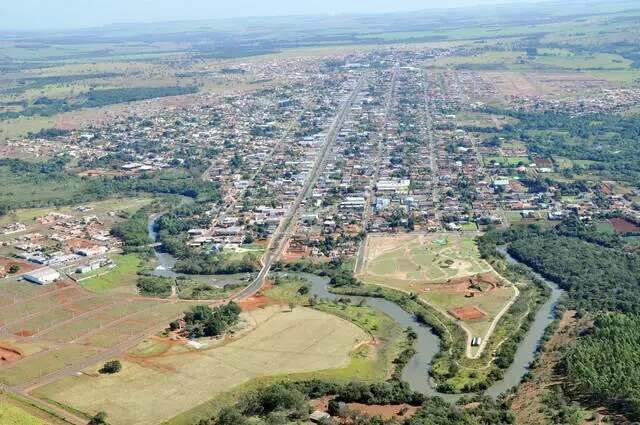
[(282, 233)]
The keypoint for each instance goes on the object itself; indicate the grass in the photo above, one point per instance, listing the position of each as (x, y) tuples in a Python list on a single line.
[(366, 363), (11, 415), (19, 127), (286, 291), (405, 260), (28, 411), (510, 161), (122, 278), (281, 342), (31, 368)]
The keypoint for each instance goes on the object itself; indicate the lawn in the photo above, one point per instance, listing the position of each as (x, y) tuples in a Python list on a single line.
[(121, 279), (279, 342)]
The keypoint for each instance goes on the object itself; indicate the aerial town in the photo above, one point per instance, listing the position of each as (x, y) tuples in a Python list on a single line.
[(372, 234)]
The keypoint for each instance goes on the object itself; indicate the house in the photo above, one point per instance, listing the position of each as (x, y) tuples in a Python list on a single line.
[(43, 276)]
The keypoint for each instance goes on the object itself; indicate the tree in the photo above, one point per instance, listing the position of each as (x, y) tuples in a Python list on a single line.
[(14, 268), (111, 367), (99, 418)]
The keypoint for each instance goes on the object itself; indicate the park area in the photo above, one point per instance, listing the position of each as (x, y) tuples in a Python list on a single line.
[(446, 271), (272, 341)]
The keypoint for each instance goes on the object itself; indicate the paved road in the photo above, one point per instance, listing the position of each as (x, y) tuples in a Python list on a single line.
[(283, 231), (433, 152), (374, 179)]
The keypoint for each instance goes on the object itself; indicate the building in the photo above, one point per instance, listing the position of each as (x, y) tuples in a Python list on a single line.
[(319, 417), (43, 276)]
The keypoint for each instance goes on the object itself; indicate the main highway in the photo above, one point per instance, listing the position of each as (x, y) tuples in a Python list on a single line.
[(283, 231)]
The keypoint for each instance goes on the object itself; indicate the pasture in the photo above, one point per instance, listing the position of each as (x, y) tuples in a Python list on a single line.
[(160, 379)]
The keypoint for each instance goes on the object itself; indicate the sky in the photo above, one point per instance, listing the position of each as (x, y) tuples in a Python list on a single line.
[(65, 14)]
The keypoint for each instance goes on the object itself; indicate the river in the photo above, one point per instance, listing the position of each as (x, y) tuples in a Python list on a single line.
[(165, 261), (427, 344)]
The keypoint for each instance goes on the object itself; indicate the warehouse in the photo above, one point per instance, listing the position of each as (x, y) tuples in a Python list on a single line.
[(43, 276)]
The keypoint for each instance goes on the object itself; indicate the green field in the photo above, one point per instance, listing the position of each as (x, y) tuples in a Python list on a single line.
[(11, 415), (404, 260), (121, 279)]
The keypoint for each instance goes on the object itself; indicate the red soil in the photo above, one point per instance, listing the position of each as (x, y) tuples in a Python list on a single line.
[(255, 302), (624, 226), (24, 333), (468, 314), (385, 412), (9, 355), (25, 266)]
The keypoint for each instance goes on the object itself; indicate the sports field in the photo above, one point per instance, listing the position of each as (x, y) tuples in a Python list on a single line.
[(160, 379), (446, 271)]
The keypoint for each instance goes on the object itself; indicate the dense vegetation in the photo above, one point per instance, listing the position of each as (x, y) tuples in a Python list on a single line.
[(340, 273), (203, 320), (111, 367), (604, 365), (607, 139), (154, 286), (133, 231), (216, 263), (104, 97), (288, 402), (597, 275), (601, 280)]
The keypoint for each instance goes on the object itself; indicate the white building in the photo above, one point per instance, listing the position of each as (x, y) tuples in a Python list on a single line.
[(43, 276)]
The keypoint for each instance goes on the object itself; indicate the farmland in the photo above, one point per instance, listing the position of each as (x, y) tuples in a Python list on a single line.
[(277, 342), (51, 328)]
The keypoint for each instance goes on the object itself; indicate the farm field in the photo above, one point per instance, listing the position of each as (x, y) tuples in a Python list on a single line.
[(277, 342), (47, 328), (446, 271)]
